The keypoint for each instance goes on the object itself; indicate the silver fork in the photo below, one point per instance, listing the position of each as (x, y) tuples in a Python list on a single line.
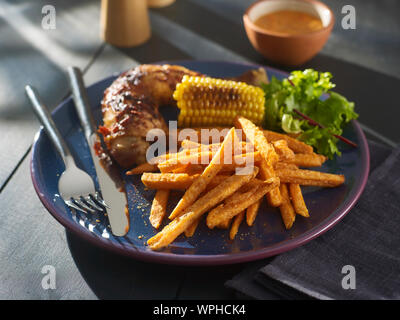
[(76, 187)]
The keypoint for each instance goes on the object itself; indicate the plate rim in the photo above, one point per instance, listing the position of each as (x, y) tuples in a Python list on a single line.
[(206, 260)]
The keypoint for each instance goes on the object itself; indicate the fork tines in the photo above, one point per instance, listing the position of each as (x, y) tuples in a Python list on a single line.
[(87, 204)]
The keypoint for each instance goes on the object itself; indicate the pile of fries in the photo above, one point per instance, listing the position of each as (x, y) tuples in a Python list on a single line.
[(231, 191)]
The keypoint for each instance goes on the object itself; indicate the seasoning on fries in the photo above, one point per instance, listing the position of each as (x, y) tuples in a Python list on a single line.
[(177, 181), (287, 211), (251, 212), (214, 185), (198, 208), (283, 151), (159, 208), (296, 145), (310, 178), (307, 160), (189, 232), (258, 139), (235, 225), (200, 183), (298, 200), (145, 167), (243, 201)]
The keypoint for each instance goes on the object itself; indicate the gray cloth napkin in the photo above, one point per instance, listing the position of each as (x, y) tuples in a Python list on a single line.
[(368, 239)]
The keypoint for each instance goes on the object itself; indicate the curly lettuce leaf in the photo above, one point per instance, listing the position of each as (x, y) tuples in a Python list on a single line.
[(290, 124), (333, 112), (308, 91), (322, 140)]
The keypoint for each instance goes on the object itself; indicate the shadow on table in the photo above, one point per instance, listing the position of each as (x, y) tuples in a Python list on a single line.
[(113, 276)]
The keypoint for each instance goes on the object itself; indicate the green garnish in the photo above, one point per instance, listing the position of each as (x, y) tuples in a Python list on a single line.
[(303, 91)]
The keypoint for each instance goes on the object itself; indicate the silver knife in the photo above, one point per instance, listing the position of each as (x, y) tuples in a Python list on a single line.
[(115, 200)]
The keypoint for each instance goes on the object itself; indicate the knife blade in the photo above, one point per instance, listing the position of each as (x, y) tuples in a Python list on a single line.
[(115, 199)]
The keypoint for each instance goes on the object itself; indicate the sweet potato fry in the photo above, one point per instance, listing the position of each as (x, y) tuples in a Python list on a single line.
[(235, 225), (175, 181), (242, 160), (215, 133), (189, 232), (184, 168), (224, 224), (237, 199), (287, 211), (257, 138), (274, 196), (175, 163), (306, 160), (167, 156), (296, 145), (190, 169), (176, 156), (298, 200), (200, 184), (260, 142), (243, 201), (250, 186), (188, 144), (216, 181), (310, 178), (251, 212), (145, 167), (285, 165), (283, 151), (159, 208), (195, 169), (198, 208)]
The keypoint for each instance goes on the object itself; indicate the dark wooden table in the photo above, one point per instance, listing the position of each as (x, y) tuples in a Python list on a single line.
[(366, 67)]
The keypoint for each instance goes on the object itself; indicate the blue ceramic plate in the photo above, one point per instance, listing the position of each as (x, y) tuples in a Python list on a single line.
[(265, 238)]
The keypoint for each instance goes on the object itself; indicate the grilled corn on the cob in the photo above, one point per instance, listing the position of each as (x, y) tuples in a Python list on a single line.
[(205, 101)]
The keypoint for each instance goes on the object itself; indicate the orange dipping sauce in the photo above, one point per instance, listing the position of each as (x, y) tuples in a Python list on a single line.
[(289, 22)]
